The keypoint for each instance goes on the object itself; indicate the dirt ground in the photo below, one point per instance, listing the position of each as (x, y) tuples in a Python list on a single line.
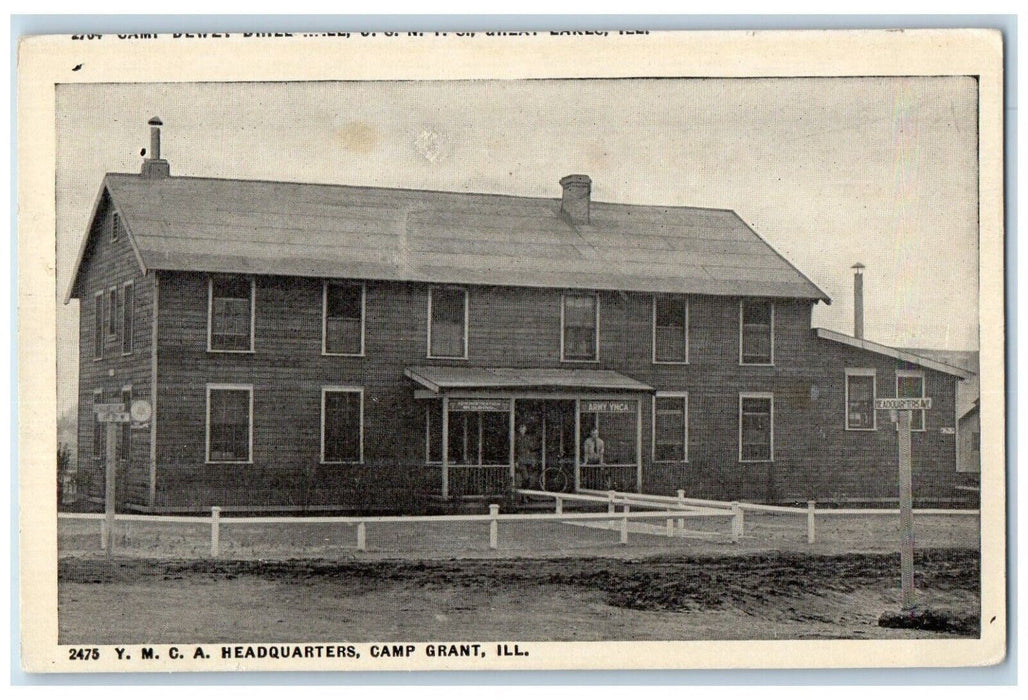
[(674, 595)]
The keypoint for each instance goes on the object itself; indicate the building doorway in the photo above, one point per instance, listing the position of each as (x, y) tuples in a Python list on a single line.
[(545, 441)]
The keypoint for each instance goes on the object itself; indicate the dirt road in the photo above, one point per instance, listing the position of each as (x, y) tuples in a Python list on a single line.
[(766, 595)]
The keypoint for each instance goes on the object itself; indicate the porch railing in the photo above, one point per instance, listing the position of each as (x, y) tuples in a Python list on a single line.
[(609, 477), (478, 479)]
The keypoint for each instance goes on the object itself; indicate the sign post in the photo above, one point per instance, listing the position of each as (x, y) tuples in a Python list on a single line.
[(113, 414), (901, 409)]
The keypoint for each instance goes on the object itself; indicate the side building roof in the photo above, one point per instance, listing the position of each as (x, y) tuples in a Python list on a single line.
[(902, 355), (337, 231)]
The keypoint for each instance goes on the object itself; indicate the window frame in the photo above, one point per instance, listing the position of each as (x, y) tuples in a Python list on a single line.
[(324, 316), (99, 431), (685, 300), (908, 373), (99, 339), (771, 437), (596, 334), (343, 389), (467, 322), (128, 313), (112, 310), (684, 395), (860, 372), (210, 314), (428, 432), (742, 362), (125, 438), (207, 446)]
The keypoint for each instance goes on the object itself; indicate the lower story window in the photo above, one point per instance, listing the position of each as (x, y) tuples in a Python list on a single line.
[(860, 399), (99, 430), (670, 428), (756, 428), (229, 423), (342, 432)]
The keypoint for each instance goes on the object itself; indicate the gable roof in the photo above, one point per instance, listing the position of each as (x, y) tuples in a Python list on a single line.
[(285, 228), (898, 354)]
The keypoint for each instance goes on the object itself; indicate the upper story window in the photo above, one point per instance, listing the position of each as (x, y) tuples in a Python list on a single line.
[(756, 427), (343, 323), (98, 325), (580, 327), (230, 313), (127, 316), (756, 332), (910, 385), (860, 399), (670, 329), (229, 423), (112, 312), (448, 322)]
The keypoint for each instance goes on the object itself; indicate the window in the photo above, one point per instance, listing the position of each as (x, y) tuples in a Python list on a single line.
[(98, 327), (580, 325), (99, 430), (125, 448), (860, 399), (910, 385), (342, 425), (344, 319), (229, 423), (670, 329), (756, 332), (112, 312), (756, 428), (478, 437), (670, 428), (230, 326), (128, 312), (448, 322)]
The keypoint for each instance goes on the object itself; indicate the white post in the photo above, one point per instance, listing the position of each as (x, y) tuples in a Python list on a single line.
[(215, 531), (681, 504), (610, 506), (810, 522), (578, 445), (624, 528), (906, 513), (446, 449), (737, 522), (110, 492), (494, 510), (559, 505), (669, 528), (103, 535), (362, 537)]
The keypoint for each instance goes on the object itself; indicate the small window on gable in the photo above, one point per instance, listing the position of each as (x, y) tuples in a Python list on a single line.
[(231, 313), (756, 332), (670, 329), (344, 318), (115, 227)]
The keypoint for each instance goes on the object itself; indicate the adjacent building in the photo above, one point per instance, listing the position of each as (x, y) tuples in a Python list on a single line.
[(310, 346)]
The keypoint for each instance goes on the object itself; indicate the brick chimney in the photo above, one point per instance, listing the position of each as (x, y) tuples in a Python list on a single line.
[(155, 166), (574, 202), (858, 300)]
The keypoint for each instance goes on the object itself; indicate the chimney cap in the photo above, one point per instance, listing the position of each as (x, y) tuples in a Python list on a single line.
[(576, 179), (155, 121), (858, 267)]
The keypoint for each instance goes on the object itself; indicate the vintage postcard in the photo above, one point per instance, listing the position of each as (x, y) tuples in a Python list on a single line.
[(491, 350)]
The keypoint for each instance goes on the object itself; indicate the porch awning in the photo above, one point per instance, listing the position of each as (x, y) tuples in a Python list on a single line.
[(442, 379)]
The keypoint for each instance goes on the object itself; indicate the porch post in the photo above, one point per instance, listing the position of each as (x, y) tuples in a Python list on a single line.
[(446, 446), (638, 446), (513, 472), (578, 441)]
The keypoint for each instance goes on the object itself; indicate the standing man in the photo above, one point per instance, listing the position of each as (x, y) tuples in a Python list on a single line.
[(526, 459)]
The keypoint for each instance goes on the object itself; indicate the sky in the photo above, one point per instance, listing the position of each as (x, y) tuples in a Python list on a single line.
[(829, 171)]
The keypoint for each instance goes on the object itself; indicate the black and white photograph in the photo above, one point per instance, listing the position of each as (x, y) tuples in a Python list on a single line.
[(458, 371)]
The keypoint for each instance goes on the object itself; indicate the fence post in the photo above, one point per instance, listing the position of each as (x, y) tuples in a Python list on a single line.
[(494, 510), (624, 528), (737, 522), (559, 507), (810, 522), (215, 531), (362, 537), (610, 506), (681, 504), (103, 534), (670, 528)]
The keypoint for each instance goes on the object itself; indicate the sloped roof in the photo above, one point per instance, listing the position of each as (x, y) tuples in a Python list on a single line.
[(284, 228), (967, 390), (902, 355), (440, 378)]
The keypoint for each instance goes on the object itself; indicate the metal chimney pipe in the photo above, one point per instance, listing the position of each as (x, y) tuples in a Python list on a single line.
[(155, 138), (858, 301)]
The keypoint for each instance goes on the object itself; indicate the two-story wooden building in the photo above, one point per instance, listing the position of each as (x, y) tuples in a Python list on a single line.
[(309, 346)]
